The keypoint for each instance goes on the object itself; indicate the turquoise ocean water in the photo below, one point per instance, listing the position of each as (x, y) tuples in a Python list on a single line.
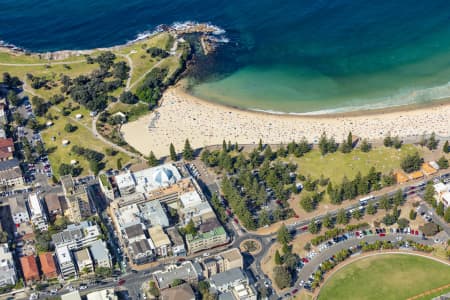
[(285, 56)]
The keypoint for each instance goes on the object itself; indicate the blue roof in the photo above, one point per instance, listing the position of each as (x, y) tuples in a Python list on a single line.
[(99, 250)]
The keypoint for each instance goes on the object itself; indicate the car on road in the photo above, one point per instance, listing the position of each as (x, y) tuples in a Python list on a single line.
[(83, 287), (121, 282), (294, 291)]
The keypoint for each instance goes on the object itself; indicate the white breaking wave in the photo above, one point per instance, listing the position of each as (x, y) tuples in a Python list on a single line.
[(409, 97), (217, 35)]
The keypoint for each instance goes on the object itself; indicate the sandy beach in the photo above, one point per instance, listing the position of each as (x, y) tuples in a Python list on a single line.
[(182, 116)]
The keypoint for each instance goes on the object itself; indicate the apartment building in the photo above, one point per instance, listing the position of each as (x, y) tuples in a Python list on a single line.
[(77, 236), (65, 262), (84, 261), (37, 213), (8, 273)]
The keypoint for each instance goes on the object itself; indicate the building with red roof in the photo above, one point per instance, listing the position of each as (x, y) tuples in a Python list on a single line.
[(6, 149), (48, 266), (29, 268)]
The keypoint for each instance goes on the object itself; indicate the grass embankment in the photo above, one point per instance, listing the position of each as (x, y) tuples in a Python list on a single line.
[(53, 136), (386, 277), (337, 165)]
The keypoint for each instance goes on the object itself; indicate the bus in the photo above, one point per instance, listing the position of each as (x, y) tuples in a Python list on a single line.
[(363, 201)]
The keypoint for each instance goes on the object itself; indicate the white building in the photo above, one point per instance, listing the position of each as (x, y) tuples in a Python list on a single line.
[(77, 236), (8, 274), (235, 283), (442, 193), (147, 180), (38, 216), (195, 208), (65, 261), (106, 294)]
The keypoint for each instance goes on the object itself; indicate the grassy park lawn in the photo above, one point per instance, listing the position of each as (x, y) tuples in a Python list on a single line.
[(134, 111), (386, 277), (81, 137), (337, 165), (142, 61)]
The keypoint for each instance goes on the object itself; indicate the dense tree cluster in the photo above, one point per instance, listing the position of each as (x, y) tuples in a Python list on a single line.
[(327, 145), (431, 142), (411, 163), (121, 70), (157, 52), (297, 149), (392, 142), (66, 169), (92, 91), (286, 264), (361, 185), (13, 98), (128, 98), (70, 128), (150, 90), (105, 60), (347, 145), (93, 157), (255, 180), (40, 106), (11, 82), (37, 82), (442, 162)]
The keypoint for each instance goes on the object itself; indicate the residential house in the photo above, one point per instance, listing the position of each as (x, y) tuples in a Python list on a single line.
[(65, 262), (141, 251), (6, 149), (19, 211), (53, 205), (160, 240), (10, 173), (178, 247), (8, 273), (183, 291), (100, 254), (134, 233), (84, 261), (29, 269), (48, 266), (38, 217)]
